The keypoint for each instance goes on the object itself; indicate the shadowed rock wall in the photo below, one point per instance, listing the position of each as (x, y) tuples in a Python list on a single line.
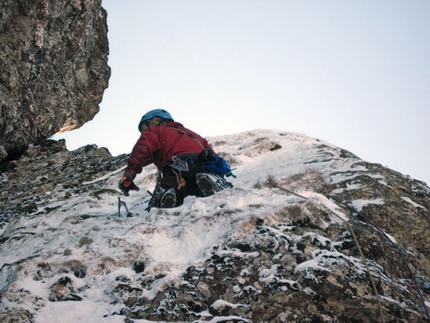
[(53, 68)]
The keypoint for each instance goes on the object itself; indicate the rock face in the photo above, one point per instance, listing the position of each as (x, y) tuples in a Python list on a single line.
[(53, 64), (309, 233), (47, 167)]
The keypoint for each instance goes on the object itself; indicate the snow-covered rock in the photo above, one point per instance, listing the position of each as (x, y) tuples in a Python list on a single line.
[(284, 245)]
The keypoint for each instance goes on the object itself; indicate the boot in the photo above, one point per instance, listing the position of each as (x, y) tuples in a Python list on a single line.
[(209, 184)]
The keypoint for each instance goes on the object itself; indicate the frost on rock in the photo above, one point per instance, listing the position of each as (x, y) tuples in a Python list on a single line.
[(275, 248)]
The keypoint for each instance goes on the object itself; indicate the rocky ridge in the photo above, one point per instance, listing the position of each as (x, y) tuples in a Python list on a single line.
[(53, 63), (284, 245), (28, 182)]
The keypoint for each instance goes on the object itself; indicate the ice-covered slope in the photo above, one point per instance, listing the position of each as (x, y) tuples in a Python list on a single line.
[(273, 252)]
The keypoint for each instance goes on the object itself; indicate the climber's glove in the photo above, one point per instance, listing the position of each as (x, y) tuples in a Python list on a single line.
[(126, 184)]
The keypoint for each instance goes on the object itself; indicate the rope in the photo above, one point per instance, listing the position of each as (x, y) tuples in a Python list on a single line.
[(356, 243), (402, 256)]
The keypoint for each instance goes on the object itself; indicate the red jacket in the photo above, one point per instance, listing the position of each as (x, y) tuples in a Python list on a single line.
[(160, 143)]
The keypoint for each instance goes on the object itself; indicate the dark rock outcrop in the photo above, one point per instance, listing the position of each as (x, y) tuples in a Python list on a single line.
[(27, 182), (53, 69)]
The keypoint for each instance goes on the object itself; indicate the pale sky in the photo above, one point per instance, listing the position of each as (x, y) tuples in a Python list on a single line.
[(353, 73)]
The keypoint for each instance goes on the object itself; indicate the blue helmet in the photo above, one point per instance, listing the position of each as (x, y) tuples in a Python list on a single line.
[(160, 113)]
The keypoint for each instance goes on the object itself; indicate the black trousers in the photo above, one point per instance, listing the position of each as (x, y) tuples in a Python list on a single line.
[(173, 178)]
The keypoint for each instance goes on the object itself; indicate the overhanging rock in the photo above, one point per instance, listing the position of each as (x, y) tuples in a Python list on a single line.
[(53, 62)]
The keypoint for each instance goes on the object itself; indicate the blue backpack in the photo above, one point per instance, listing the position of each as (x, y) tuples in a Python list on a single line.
[(211, 164), (218, 166)]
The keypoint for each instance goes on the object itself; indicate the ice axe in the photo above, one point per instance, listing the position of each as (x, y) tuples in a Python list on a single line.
[(122, 203)]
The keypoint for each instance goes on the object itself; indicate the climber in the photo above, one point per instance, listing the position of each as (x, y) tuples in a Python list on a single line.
[(186, 164)]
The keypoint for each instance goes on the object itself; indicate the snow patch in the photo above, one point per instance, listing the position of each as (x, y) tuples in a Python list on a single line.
[(407, 199), (360, 204)]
